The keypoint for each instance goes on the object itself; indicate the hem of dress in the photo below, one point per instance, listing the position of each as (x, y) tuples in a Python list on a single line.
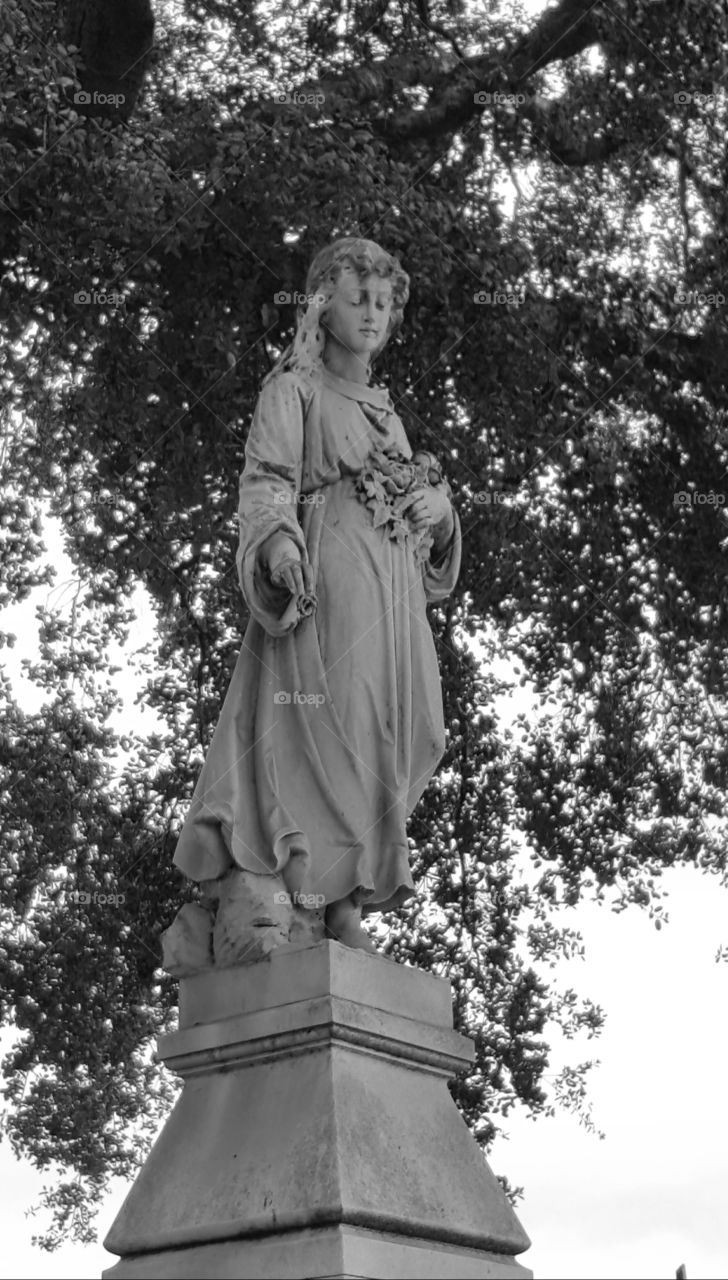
[(401, 894)]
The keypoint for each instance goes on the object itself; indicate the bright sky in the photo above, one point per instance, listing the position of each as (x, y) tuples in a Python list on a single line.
[(648, 1197)]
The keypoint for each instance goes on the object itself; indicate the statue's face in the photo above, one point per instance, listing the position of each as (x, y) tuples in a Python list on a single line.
[(358, 315)]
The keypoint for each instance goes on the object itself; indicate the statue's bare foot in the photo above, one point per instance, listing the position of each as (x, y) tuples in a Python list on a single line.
[(343, 924)]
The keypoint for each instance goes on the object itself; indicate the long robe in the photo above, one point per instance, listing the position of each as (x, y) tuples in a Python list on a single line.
[(330, 730)]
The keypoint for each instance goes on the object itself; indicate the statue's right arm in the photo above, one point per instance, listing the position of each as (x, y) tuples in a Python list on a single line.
[(267, 511)]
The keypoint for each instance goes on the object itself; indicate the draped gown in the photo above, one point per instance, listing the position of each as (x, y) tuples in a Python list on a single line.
[(330, 730)]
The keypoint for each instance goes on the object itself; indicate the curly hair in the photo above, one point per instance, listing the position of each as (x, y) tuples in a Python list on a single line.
[(305, 352)]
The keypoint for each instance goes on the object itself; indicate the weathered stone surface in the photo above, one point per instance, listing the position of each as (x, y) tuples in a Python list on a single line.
[(288, 979), (187, 943), (255, 914), (337, 1252), (315, 1134), (307, 926), (246, 918)]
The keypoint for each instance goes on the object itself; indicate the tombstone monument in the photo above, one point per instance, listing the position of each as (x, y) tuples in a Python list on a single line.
[(315, 1134)]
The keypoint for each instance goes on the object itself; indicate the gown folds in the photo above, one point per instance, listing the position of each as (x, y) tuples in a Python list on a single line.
[(332, 728)]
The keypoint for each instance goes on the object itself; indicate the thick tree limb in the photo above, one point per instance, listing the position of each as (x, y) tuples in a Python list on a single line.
[(462, 89), (559, 34)]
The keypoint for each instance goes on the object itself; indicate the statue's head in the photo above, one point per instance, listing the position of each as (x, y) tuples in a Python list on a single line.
[(336, 270), (351, 261)]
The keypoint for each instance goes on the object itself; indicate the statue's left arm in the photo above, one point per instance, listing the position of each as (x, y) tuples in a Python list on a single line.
[(443, 566), (440, 571)]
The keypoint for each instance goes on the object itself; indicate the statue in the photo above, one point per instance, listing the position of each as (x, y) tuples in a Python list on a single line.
[(332, 725)]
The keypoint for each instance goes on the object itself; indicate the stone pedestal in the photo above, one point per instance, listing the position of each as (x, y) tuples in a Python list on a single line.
[(315, 1134)]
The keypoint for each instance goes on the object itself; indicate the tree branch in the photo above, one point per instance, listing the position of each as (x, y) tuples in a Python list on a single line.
[(559, 34)]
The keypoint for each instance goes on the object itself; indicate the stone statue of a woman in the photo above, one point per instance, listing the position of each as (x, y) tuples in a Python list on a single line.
[(332, 725)]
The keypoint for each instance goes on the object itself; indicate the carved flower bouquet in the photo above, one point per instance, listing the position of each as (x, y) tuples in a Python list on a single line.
[(385, 485)]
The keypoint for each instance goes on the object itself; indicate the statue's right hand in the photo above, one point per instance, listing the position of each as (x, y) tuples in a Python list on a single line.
[(282, 559)]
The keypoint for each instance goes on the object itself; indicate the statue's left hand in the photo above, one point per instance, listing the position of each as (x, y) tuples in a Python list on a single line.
[(430, 508)]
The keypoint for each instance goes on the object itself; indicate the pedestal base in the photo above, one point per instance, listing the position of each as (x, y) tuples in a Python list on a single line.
[(315, 1135), (339, 1253)]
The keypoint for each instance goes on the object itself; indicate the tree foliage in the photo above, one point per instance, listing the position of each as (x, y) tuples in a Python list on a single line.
[(555, 185)]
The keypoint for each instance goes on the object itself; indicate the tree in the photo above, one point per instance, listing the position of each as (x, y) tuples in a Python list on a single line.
[(564, 352)]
